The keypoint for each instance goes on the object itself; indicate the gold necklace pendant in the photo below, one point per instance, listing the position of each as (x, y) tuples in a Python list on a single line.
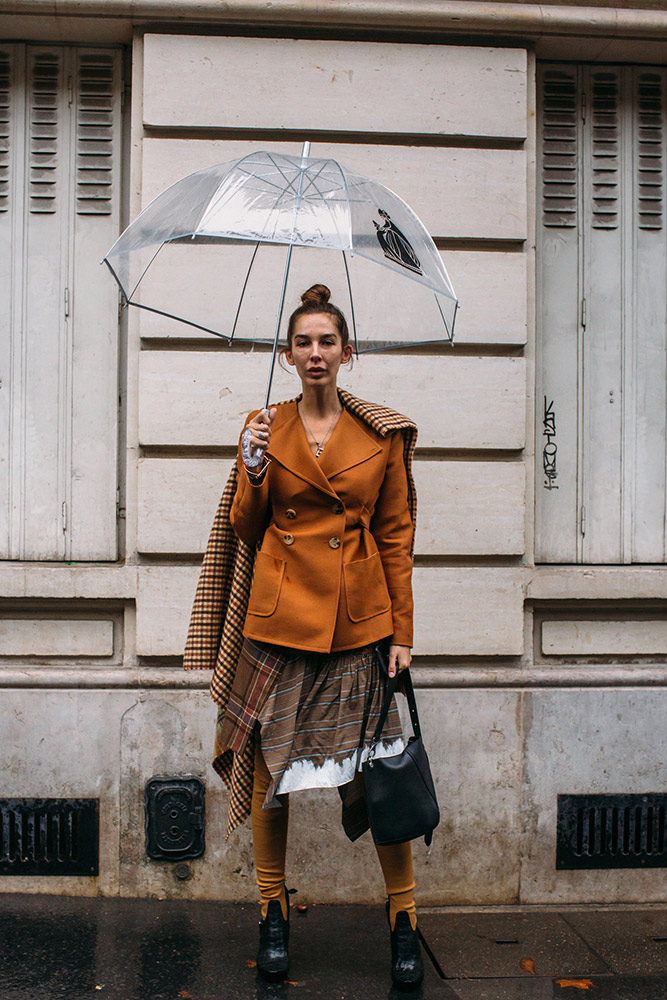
[(319, 445)]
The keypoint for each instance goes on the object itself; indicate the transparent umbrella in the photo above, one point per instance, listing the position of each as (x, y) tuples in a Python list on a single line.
[(268, 198)]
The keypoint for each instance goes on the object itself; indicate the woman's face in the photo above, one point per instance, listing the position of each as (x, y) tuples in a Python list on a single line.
[(317, 350)]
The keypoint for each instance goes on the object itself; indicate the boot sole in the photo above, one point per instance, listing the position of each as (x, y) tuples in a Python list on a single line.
[(407, 987), (273, 977)]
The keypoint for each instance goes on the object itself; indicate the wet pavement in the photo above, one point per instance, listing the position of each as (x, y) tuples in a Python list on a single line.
[(60, 948)]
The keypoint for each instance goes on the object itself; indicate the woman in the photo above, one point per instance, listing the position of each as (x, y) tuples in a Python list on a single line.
[(330, 514)]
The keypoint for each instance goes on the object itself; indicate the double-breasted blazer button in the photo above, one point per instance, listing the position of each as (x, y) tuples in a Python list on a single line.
[(288, 539), (290, 513), (338, 508), (334, 542)]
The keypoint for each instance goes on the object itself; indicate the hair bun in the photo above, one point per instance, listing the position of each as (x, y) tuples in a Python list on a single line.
[(316, 293)]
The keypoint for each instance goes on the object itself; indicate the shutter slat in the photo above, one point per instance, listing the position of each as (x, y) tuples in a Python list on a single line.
[(605, 150), (559, 149), (45, 80), (5, 81), (94, 134), (650, 151)]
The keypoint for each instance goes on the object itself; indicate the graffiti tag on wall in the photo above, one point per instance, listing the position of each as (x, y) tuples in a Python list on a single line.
[(550, 449)]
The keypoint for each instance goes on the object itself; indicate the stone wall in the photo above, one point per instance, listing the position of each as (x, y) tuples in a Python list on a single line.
[(529, 680)]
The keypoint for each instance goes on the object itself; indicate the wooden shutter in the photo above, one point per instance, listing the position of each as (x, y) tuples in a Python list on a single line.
[(95, 306), (59, 313), (8, 142), (646, 304), (557, 282), (603, 321), (603, 326)]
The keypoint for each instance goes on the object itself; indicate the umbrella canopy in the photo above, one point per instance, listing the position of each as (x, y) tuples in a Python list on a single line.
[(294, 201)]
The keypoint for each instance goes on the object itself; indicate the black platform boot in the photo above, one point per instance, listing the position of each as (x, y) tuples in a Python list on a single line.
[(273, 956), (407, 965)]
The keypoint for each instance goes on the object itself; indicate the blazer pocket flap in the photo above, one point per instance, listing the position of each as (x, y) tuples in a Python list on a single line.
[(266, 584), (366, 591)]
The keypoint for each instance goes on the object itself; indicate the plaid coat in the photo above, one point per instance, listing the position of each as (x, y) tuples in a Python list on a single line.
[(215, 635)]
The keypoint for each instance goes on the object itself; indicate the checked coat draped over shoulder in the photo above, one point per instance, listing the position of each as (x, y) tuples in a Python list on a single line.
[(215, 635)]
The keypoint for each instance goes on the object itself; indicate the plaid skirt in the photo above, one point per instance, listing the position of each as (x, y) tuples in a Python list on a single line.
[(315, 719), (318, 721)]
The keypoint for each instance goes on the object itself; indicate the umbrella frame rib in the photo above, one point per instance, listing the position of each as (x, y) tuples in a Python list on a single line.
[(243, 290)]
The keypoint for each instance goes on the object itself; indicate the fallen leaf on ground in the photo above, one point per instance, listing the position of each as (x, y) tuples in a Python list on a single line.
[(251, 963), (578, 984), (302, 907), (528, 965), (290, 983), (184, 993)]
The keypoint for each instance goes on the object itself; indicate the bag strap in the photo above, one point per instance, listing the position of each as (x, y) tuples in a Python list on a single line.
[(392, 683)]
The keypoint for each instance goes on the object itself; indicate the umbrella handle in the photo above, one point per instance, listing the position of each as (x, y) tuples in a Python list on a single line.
[(251, 457)]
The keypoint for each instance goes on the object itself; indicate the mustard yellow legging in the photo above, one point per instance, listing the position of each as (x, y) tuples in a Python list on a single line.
[(269, 833)]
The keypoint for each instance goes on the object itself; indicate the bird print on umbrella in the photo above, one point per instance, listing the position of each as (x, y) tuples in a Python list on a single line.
[(395, 245)]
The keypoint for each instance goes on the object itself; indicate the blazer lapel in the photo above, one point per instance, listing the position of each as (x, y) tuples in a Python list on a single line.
[(349, 445), (289, 446)]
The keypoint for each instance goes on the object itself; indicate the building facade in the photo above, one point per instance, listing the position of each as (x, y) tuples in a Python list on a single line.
[(531, 142)]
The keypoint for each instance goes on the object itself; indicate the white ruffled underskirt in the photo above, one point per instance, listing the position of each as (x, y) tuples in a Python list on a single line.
[(304, 774)]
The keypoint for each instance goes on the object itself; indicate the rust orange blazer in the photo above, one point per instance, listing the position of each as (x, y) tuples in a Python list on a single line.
[(334, 569)]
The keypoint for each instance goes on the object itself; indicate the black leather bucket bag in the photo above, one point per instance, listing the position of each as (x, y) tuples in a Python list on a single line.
[(400, 795)]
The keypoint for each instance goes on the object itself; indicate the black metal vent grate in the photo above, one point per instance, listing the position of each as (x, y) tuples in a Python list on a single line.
[(49, 836), (612, 831)]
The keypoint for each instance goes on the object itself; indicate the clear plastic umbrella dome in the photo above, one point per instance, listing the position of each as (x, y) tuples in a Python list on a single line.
[(272, 199)]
